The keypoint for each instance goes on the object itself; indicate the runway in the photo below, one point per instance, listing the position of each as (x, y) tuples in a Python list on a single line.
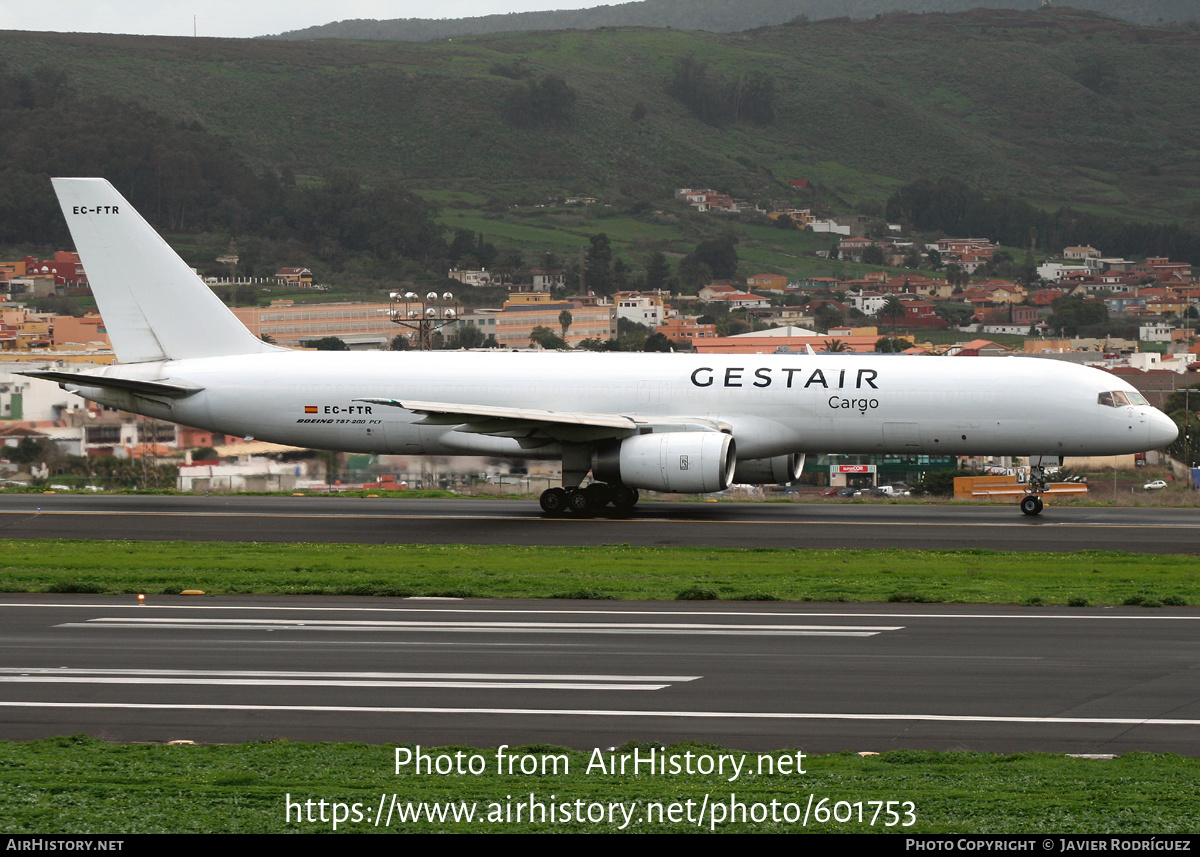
[(829, 525), (822, 678), (484, 673)]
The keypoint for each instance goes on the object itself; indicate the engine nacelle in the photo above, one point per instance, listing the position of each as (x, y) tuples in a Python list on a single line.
[(780, 470), (684, 462)]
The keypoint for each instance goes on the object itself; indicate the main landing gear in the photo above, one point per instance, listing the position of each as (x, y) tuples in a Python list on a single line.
[(581, 502)]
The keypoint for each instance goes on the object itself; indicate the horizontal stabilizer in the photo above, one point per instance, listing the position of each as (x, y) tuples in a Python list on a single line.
[(161, 387)]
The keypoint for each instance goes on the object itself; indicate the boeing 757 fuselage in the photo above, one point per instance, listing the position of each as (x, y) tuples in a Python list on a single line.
[(677, 422)]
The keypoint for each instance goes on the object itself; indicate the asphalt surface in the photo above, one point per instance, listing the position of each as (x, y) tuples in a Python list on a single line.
[(581, 674), (827, 525), (822, 678)]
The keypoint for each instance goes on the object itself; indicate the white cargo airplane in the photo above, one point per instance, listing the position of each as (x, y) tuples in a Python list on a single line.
[(680, 423)]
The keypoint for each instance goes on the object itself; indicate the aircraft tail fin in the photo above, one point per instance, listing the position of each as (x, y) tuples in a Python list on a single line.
[(154, 306)]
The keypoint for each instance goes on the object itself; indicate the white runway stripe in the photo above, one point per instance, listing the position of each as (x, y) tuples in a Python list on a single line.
[(687, 628), (600, 712), (14, 675)]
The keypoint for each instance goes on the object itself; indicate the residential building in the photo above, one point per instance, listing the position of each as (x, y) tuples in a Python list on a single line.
[(296, 277), (640, 307), (680, 329), (471, 277)]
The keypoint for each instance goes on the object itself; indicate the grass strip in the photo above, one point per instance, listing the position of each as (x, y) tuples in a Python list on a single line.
[(80, 785), (606, 572)]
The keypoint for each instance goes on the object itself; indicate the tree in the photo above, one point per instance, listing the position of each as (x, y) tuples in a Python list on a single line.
[(718, 255), (892, 345), (941, 482), (631, 336), (1183, 406), (873, 255), (58, 305), (548, 101), (466, 336), (693, 273), (691, 87), (592, 344), (752, 98), (658, 342), (892, 310), (737, 326), (598, 264), (30, 450), (956, 275), (657, 271), (1072, 313), (546, 338), (828, 316), (835, 346), (564, 320), (717, 102), (620, 274), (326, 343), (400, 342)]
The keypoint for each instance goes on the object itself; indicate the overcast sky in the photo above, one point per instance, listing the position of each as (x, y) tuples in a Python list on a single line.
[(241, 18)]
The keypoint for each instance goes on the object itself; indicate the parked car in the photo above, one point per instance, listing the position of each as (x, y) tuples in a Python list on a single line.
[(1154, 486)]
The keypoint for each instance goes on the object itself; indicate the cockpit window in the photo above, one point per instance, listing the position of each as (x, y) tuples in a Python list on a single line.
[(1120, 398)]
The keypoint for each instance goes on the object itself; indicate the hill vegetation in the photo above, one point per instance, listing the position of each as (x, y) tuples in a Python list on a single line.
[(255, 139), (723, 16)]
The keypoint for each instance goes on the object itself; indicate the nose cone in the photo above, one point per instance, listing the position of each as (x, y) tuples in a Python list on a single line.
[(1163, 430)]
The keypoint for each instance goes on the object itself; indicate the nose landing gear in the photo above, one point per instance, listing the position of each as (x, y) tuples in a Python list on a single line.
[(1031, 503)]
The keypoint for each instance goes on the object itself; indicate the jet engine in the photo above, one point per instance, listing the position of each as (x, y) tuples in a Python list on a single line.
[(683, 462), (780, 470)]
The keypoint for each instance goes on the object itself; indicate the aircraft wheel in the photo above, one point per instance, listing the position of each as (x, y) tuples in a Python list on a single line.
[(624, 498), (1031, 505), (599, 495), (579, 502), (553, 501)]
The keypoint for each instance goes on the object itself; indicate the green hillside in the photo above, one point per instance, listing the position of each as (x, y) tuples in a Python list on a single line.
[(719, 16), (1057, 106)]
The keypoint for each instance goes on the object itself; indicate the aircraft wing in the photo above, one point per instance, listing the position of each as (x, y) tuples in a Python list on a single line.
[(161, 387), (534, 423)]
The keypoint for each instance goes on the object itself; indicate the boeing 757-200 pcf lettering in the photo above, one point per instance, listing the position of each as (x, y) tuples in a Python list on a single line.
[(680, 423)]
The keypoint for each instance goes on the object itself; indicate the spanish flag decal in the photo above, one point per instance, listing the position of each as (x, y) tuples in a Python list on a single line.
[(310, 409)]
